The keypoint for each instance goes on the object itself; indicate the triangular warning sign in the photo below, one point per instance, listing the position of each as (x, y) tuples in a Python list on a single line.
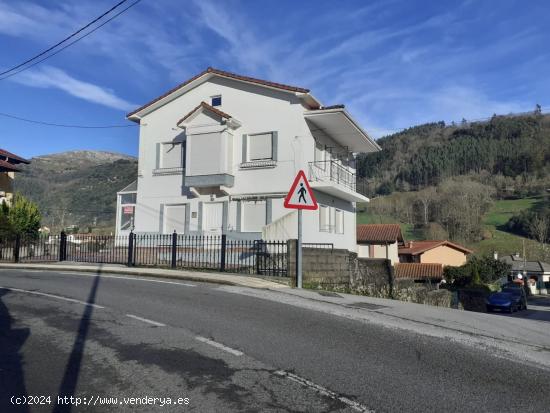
[(300, 195)]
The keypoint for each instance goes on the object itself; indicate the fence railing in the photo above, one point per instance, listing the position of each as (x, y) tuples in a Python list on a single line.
[(332, 171), (152, 250)]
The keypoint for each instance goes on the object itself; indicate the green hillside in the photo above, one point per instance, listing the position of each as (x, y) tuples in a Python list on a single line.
[(496, 238), (77, 188)]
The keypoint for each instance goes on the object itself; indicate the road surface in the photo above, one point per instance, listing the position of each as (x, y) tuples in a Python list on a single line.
[(211, 349)]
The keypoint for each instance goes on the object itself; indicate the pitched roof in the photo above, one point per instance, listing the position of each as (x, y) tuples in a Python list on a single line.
[(419, 247), (208, 107), (379, 233), (530, 266), (13, 157), (229, 75), (418, 271), (7, 167)]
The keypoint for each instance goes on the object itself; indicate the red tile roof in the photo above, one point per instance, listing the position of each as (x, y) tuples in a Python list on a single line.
[(223, 74), (417, 271), (7, 167), (379, 233), (13, 157), (207, 107), (419, 247)]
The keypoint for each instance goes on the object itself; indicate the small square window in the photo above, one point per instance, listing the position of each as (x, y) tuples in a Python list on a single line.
[(216, 100)]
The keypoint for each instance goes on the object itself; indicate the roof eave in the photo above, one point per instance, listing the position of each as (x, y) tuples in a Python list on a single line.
[(320, 112)]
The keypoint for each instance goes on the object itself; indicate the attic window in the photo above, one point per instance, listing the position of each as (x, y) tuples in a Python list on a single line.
[(216, 100)]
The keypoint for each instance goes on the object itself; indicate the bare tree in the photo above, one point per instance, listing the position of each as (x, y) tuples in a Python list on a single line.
[(540, 226)]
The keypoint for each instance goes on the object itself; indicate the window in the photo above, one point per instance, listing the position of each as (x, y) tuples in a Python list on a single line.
[(172, 155), (324, 218), (260, 147), (127, 217), (253, 216), (174, 219), (319, 152), (339, 221), (129, 198), (216, 101)]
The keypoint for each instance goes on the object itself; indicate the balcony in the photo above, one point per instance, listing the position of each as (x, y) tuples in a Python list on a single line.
[(334, 179)]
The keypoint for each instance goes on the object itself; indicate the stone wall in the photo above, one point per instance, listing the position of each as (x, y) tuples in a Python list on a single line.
[(339, 269), (371, 276)]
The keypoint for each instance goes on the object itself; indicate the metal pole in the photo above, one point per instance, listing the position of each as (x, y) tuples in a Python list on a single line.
[(299, 255)]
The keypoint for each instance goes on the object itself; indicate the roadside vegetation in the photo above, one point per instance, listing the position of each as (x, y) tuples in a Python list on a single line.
[(22, 217)]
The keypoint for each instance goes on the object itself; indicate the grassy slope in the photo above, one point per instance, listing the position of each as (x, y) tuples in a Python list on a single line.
[(501, 241)]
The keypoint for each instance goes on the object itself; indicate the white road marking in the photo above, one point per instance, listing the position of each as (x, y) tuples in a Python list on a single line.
[(72, 300), (220, 346), (324, 391), (146, 320), (112, 276)]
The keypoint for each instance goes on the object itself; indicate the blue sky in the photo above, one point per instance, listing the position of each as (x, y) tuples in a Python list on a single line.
[(393, 63)]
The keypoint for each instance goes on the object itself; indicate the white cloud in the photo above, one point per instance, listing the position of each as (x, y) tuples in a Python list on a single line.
[(52, 78)]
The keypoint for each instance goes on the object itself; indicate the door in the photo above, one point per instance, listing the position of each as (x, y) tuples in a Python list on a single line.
[(212, 218)]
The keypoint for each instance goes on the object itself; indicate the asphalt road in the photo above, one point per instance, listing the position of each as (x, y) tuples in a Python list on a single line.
[(96, 337)]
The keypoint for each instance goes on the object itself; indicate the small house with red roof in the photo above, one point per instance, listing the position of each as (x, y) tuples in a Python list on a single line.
[(379, 241), (434, 252), (8, 167)]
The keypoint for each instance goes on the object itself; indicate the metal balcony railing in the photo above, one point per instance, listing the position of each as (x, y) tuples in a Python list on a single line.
[(332, 171)]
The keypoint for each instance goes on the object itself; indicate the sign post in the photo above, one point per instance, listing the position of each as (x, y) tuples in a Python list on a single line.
[(300, 197)]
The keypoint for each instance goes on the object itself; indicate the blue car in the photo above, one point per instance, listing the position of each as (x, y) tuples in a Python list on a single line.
[(510, 299)]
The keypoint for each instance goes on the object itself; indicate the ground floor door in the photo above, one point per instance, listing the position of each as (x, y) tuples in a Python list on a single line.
[(212, 218)]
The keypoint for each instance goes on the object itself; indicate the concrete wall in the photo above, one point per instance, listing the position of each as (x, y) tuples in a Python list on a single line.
[(444, 255)]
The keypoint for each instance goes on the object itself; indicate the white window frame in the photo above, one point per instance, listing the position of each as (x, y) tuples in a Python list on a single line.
[(338, 226), (214, 97), (243, 216), (324, 210), (248, 143), (165, 218), (182, 155)]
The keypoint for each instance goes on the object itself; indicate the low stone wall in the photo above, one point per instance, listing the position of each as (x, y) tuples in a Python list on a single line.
[(342, 270), (371, 276)]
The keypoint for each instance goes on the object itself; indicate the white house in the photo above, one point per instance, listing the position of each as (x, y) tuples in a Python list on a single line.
[(218, 153)]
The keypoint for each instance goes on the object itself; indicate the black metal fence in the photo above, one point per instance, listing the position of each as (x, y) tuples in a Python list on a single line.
[(217, 253)]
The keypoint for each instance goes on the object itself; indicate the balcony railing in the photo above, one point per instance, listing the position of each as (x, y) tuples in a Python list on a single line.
[(332, 171)]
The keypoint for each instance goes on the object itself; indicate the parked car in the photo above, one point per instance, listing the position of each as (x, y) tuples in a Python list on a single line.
[(510, 299)]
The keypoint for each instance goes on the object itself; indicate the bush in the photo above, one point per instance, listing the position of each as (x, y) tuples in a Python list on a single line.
[(477, 271)]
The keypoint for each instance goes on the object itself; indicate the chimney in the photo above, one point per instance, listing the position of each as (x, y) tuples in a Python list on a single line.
[(495, 255), (516, 255), (410, 244)]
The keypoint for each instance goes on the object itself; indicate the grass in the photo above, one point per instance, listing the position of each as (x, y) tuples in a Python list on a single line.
[(497, 240)]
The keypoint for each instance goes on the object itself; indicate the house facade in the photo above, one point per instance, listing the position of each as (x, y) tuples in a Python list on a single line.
[(537, 273), (218, 153), (8, 169), (434, 252), (379, 241)]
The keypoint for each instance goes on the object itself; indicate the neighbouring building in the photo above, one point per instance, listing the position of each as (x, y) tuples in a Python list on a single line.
[(537, 273), (218, 153), (8, 168), (434, 252), (418, 271), (379, 241)]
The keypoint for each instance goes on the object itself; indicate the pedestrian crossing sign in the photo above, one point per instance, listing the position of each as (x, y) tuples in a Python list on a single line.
[(300, 195)]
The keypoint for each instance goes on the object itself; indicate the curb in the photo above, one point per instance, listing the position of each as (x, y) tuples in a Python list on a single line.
[(139, 273)]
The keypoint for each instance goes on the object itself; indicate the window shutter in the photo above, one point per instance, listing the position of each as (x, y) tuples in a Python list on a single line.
[(244, 147), (274, 145), (157, 162)]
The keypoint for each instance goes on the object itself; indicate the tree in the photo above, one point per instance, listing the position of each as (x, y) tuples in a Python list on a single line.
[(20, 217), (539, 227), (538, 109)]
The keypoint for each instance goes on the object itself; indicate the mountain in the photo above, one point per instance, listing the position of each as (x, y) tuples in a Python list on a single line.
[(510, 153), (77, 188)]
